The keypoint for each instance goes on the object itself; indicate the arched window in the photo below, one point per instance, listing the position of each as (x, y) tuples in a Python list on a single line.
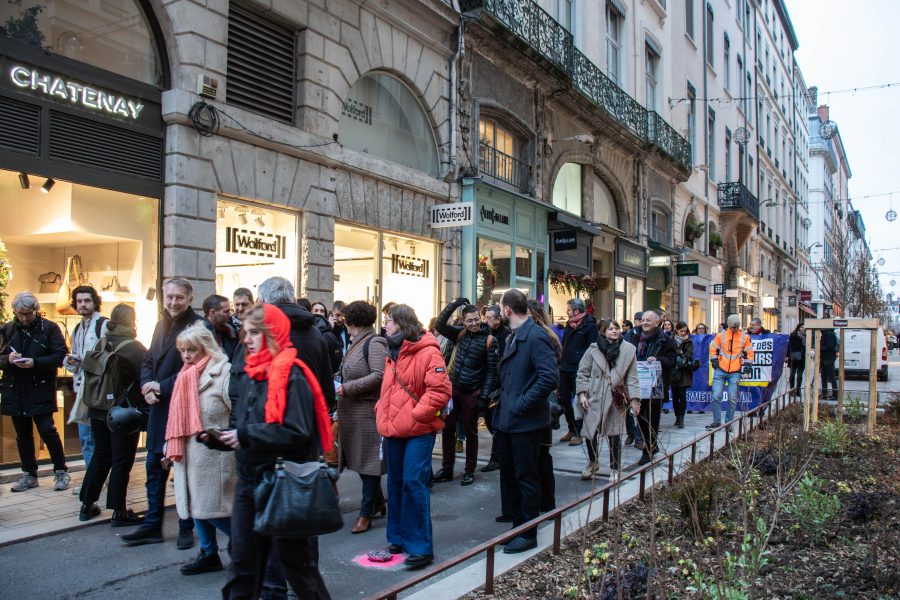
[(500, 154), (604, 203), (567, 188), (114, 35), (383, 117)]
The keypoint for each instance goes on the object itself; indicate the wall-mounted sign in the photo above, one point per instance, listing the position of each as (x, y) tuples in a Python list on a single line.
[(631, 259), (409, 265), (732, 293), (489, 214), (687, 269), (792, 301), (565, 239), (82, 95), (805, 296), (718, 289), (357, 111), (660, 261), (452, 215), (699, 287), (254, 243)]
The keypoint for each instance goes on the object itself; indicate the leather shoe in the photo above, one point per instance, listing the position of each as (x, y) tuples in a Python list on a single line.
[(575, 441), (88, 511), (395, 549), (443, 475), (468, 479), (491, 466), (417, 561), (566, 436), (125, 518), (503, 519), (629, 440), (520, 544), (144, 535), (204, 563), (362, 525), (185, 539)]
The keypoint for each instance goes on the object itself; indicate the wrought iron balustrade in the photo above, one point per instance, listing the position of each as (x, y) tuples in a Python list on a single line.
[(533, 25), (591, 81), (735, 196), (667, 139), (503, 167), (661, 234)]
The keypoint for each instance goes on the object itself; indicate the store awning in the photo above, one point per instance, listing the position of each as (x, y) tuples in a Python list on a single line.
[(663, 248), (567, 220), (807, 310)]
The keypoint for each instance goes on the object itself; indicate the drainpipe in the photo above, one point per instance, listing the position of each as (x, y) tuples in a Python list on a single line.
[(454, 92)]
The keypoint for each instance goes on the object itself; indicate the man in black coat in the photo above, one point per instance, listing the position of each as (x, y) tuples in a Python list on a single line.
[(528, 375), (473, 373), (830, 346), (580, 332), (160, 368), (31, 350), (217, 318), (653, 345)]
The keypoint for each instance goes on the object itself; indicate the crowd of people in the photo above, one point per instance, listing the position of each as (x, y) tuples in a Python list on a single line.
[(224, 394)]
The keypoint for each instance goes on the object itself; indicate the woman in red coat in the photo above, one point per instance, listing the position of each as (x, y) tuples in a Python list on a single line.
[(414, 391)]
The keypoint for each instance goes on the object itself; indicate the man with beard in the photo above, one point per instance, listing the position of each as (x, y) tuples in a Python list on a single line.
[(217, 318), (242, 300)]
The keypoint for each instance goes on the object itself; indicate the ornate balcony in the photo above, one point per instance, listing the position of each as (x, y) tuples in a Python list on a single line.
[(735, 196), (543, 36), (738, 217), (502, 167)]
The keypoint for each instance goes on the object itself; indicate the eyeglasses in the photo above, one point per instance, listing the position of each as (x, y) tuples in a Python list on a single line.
[(388, 320)]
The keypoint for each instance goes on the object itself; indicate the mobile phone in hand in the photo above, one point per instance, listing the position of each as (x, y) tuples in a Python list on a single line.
[(214, 433)]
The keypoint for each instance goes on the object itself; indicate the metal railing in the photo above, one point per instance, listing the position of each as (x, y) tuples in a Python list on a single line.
[(592, 82), (664, 137), (760, 414), (503, 167), (661, 234), (735, 196)]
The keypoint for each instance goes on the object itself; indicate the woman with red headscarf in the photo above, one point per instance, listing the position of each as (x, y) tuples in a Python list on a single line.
[(280, 412)]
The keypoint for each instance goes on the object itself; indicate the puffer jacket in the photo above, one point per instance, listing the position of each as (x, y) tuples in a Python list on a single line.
[(575, 343), (475, 365), (29, 392), (422, 370)]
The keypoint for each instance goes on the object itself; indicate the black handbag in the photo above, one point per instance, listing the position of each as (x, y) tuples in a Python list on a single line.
[(297, 500)]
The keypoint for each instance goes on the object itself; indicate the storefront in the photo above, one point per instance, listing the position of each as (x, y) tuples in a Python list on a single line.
[(381, 267), (699, 302), (506, 247), (571, 271), (81, 155), (631, 275)]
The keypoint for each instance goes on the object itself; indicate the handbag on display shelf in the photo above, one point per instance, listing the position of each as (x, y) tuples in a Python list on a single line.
[(50, 282), (73, 277), (113, 285)]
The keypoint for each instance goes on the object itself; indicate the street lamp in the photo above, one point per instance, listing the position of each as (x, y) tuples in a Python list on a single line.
[(809, 249)]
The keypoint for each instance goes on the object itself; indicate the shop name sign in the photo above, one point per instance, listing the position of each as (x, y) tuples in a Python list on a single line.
[(254, 243), (409, 265), (452, 215), (565, 239), (494, 216), (81, 95)]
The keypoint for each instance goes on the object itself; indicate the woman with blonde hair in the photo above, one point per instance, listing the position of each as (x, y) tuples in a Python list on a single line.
[(204, 478)]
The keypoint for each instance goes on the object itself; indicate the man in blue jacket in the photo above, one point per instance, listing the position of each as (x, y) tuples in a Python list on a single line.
[(159, 370), (528, 375)]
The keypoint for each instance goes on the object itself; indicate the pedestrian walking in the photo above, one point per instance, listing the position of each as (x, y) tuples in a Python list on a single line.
[(609, 363), (361, 375), (828, 351), (797, 357), (683, 376), (414, 391), (728, 352), (204, 478), (579, 333), (31, 350)]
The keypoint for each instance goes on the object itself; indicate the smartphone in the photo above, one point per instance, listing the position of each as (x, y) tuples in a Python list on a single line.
[(214, 433)]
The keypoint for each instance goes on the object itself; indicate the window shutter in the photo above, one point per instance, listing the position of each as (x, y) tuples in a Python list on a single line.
[(261, 59), (22, 126)]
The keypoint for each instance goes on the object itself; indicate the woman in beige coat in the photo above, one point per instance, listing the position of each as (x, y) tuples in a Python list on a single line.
[(204, 478), (361, 375), (606, 364)]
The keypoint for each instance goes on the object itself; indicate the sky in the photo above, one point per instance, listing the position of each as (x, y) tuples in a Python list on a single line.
[(848, 45)]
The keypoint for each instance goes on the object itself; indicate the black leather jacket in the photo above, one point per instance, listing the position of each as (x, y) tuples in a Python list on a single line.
[(475, 366), (575, 343)]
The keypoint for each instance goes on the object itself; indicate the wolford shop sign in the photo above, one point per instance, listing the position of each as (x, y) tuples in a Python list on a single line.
[(79, 94)]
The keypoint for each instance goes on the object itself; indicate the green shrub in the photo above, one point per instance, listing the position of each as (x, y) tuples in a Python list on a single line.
[(832, 437), (812, 508), (703, 489)]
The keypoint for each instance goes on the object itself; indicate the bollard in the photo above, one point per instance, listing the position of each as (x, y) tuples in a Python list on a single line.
[(489, 571)]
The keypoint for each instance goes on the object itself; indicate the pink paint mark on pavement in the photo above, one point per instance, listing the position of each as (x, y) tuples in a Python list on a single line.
[(364, 561)]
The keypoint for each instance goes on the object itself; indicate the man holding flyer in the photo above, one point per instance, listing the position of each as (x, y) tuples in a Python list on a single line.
[(730, 354), (653, 346)]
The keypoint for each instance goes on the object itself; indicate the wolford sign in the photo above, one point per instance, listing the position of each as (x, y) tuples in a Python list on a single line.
[(83, 96), (254, 243), (451, 215)]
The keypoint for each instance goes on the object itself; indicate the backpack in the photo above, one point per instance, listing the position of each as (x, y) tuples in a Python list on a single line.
[(102, 387)]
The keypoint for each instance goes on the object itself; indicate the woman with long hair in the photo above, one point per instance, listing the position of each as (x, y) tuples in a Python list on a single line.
[(683, 377), (606, 364), (280, 413), (204, 478), (414, 391)]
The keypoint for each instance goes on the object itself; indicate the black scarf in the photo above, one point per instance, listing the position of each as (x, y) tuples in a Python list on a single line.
[(394, 343), (610, 350)]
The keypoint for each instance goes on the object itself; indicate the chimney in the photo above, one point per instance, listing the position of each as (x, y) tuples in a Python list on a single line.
[(823, 113)]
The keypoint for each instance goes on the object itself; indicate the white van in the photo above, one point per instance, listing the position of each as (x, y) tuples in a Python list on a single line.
[(857, 351)]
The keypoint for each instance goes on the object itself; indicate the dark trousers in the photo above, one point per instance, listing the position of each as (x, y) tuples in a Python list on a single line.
[(679, 401), (465, 411), (648, 423), (565, 393), (545, 465), (25, 442), (797, 370), (372, 497), (488, 415), (520, 474), (157, 477), (631, 427), (250, 554), (113, 456), (615, 450), (828, 375)]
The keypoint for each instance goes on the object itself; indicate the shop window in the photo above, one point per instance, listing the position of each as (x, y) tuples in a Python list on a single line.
[(253, 243), (381, 116), (113, 35), (634, 295), (604, 203), (498, 154), (115, 237), (567, 188), (493, 271)]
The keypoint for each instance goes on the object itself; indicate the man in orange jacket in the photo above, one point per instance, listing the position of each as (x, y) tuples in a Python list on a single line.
[(728, 352)]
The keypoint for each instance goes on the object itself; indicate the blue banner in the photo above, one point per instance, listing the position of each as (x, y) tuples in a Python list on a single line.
[(769, 352)]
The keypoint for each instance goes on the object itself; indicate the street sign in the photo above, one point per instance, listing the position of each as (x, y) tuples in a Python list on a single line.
[(660, 261), (732, 293), (839, 322), (687, 269), (805, 296), (452, 215), (718, 289)]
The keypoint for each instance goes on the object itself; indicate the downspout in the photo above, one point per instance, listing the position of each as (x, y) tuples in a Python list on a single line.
[(454, 93)]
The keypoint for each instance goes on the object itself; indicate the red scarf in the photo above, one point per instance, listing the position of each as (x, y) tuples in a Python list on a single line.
[(575, 321), (277, 370), (184, 409)]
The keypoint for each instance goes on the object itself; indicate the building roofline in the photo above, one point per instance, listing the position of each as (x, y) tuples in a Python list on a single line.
[(781, 9)]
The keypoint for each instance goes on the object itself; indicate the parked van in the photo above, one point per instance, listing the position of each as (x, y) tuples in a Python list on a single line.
[(857, 352)]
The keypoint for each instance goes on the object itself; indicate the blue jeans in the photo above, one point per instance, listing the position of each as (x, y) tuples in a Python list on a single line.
[(157, 477), (409, 502), (720, 379), (206, 532), (86, 436)]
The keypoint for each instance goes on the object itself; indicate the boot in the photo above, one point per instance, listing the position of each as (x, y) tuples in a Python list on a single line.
[(204, 563), (362, 525)]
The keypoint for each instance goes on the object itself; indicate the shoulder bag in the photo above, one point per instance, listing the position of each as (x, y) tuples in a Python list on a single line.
[(620, 396), (442, 414), (297, 500)]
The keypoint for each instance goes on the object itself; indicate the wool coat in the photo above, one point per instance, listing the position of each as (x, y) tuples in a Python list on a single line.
[(205, 478), (593, 379), (360, 448)]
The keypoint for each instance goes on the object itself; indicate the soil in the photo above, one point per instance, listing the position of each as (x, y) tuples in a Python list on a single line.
[(695, 529)]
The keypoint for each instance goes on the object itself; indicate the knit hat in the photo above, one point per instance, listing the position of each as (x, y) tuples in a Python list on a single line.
[(733, 320)]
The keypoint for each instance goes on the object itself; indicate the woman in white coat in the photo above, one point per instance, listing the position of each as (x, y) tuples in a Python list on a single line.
[(204, 478), (607, 364)]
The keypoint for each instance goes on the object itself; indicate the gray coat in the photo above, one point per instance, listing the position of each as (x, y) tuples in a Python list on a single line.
[(360, 444), (592, 380)]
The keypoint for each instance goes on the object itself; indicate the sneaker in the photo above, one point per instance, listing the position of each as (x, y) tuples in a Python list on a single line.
[(25, 482), (459, 446), (491, 466), (204, 563), (589, 471), (88, 512), (76, 490), (575, 441), (566, 436), (713, 425), (185, 539), (61, 481), (144, 535), (125, 518)]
